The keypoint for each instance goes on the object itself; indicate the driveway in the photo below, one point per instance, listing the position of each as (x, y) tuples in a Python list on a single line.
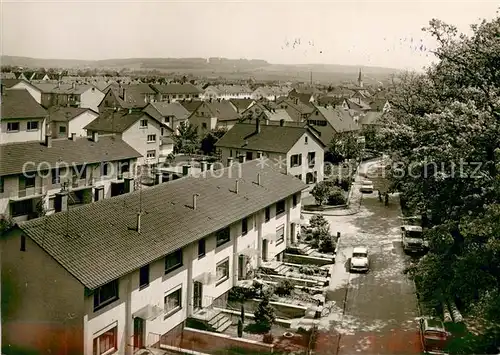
[(374, 313)]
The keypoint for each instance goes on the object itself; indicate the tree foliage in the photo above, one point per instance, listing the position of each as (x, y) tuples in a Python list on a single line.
[(208, 142), (443, 136), (343, 146), (187, 140)]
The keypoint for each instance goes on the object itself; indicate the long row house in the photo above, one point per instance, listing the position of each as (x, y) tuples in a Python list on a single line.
[(123, 273)]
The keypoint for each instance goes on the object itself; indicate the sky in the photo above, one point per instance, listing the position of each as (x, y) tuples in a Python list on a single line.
[(371, 33)]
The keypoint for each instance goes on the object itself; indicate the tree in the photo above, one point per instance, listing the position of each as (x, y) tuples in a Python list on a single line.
[(343, 146), (318, 221), (187, 140), (445, 126), (320, 192), (264, 316), (208, 142)]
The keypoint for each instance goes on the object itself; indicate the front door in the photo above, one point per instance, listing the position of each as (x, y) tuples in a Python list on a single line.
[(197, 295), (264, 249), (138, 333)]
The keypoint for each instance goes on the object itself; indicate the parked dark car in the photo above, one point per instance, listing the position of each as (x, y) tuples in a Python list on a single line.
[(433, 336)]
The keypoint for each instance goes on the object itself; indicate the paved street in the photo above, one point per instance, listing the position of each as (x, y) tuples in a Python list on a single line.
[(380, 313)]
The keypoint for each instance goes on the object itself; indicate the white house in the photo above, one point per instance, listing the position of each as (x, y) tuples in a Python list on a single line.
[(32, 173), (69, 121), (138, 129), (294, 150), (72, 94), (124, 272), (227, 92), (19, 84), (23, 119)]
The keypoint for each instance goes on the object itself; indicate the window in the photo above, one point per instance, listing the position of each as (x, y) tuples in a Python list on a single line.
[(231, 153), (80, 172), (151, 138), (32, 125), (222, 271), (166, 119), (12, 126), (173, 302), (222, 236), (173, 261), (244, 226), (23, 243), (294, 198), (280, 234), (52, 201), (106, 343), (124, 166), (280, 207), (106, 294), (299, 176), (62, 129), (296, 160), (56, 176), (268, 213), (249, 156), (201, 248), (29, 182), (305, 140), (144, 276), (311, 157), (1, 184), (105, 169), (204, 125), (143, 124), (151, 154)]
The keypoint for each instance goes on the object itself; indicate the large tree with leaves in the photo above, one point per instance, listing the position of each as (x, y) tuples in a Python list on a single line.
[(187, 140), (444, 138)]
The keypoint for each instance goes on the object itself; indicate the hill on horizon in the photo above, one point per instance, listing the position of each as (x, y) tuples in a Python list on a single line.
[(244, 68)]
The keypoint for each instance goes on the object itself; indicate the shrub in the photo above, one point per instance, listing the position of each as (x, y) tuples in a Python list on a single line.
[(326, 244), (284, 288), (307, 270), (336, 197), (318, 221), (342, 183), (320, 192), (240, 294), (264, 316)]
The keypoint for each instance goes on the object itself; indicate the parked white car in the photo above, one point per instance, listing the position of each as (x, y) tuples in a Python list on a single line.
[(360, 260), (366, 187)]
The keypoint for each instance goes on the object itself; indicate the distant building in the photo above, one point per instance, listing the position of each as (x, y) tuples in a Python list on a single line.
[(227, 92), (23, 119), (172, 114), (73, 95), (17, 84), (69, 122), (214, 114), (176, 92), (327, 122)]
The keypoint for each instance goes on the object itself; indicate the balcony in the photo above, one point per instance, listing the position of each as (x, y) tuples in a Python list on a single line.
[(28, 193)]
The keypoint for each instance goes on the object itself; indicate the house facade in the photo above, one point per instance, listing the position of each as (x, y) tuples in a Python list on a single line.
[(91, 169), (64, 122), (214, 114), (23, 119), (176, 92), (73, 94), (294, 150), (159, 278), (227, 92), (138, 129)]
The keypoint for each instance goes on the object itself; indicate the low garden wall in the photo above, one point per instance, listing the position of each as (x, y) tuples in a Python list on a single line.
[(209, 342), (295, 281), (303, 259), (282, 310)]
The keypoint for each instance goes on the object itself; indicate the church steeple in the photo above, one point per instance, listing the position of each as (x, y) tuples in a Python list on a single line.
[(360, 79)]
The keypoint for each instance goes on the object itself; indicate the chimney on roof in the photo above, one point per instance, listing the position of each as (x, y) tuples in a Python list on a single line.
[(185, 170), (195, 196), (282, 122), (257, 125), (73, 136), (48, 140), (203, 165), (95, 136), (61, 201), (128, 183), (138, 225), (236, 186), (242, 158), (230, 161), (258, 179), (73, 85)]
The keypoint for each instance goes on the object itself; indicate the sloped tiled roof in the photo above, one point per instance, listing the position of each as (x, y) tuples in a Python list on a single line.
[(4, 76), (133, 99), (82, 150), (52, 88), (172, 89), (170, 109), (355, 104), (370, 118), (114, 121), (190, 105), (279, 115), (231, 89), (222, 110), (270, 139), (98, 243), (65, 114), (20, 104), (339, 119), (241, 104), (296, 105)]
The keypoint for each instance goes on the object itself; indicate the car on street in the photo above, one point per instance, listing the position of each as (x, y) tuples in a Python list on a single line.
[(413, 240), (366, 187), (359, 260), (433, 335)]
